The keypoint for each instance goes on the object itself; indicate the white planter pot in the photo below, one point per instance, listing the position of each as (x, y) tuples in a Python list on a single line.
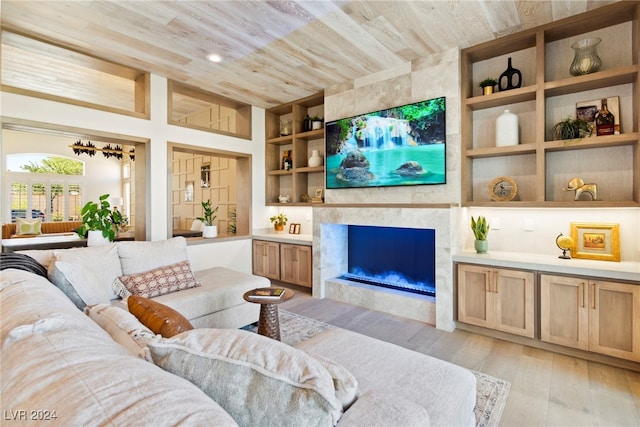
[(316, 125), (210, 231), (95, 238)]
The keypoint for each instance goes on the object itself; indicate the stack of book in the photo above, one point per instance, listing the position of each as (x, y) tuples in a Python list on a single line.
[(267, 294)]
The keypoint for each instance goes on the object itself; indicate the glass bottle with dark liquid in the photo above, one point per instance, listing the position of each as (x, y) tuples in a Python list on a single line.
[(604, 120)]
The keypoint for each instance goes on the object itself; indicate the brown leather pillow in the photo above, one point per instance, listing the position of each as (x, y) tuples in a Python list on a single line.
[(158, 317)]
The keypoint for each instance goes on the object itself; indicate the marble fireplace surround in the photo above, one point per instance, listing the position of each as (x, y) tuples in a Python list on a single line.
[(330, 259)]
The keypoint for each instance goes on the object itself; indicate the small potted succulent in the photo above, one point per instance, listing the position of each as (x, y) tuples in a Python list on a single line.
[(571, 128), (316, 122), (480, 230), (279, 221), (487, 85), (208, 217), (97, 222)]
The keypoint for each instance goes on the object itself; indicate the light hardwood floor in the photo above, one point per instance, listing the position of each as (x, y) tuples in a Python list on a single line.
[(547, 389)]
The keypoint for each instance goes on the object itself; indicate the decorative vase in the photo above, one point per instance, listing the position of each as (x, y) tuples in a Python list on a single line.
[(315, 159), (511, 78), (285, 127), (279, 227), (95, 238), (316, 124), (586, 59), (210, 231), (506, 129), (481, 246)]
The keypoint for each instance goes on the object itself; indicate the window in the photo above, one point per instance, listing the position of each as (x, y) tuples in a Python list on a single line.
[(50, 201)]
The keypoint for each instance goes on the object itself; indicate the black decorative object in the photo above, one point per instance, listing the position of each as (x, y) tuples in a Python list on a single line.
[(107, 151), (511, 78)]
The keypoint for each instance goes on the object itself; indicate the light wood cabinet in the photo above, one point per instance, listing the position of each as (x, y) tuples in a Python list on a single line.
[(499, 299), (541, 165), (594, 315), (301, 179), (289, 263), (266, 259), (295, 264)]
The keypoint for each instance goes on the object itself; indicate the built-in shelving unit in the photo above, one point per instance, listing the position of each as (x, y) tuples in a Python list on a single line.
[(540, 165), (300, 179)]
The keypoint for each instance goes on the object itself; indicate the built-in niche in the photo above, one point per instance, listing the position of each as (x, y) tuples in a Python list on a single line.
[(198, 175)]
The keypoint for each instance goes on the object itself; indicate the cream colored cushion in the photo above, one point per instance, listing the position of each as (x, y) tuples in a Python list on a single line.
[(138, 257), (259, 381), (160, 281), (123, 327), (384, 409), (90, 271), (26, 226)]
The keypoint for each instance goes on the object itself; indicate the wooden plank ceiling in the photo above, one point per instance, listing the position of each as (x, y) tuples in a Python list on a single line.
[(274, 51)]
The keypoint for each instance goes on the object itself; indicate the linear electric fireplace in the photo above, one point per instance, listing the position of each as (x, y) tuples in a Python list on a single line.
[(392, 257)]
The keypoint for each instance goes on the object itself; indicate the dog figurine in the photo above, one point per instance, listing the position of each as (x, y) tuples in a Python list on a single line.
[(578, 185)]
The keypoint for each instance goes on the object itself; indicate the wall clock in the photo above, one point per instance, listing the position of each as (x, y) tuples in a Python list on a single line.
[(503, 189)]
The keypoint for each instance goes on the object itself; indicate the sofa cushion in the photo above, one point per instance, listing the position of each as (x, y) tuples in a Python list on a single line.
[(159, 318), (89, 271), (156, 282), (222, 288), (26, 226), (259, 381), (88, 379), (21, 262), (123, 327), (344, 383), (138, 257), (446, 391), (384, 409)]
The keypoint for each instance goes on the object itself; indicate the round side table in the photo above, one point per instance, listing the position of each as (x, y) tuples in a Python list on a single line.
[(268, 322)]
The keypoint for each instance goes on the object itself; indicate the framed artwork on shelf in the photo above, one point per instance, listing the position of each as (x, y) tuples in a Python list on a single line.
[(294, 229), (188, 191), (598, 241), (587, 111)]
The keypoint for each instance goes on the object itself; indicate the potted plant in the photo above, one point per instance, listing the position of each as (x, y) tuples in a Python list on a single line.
[(316, 122), (209, 216), (571, 128), (97, 222), (487, 85), (480, 230), (279, 221)]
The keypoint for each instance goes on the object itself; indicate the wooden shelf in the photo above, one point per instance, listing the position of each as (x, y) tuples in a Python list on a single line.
[(302, 179), (540, 165)]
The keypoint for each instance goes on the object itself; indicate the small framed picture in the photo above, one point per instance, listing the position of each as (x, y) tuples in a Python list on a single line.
[(292, 228), (297, 230), (188, 191), (319, 192), (596, 241)]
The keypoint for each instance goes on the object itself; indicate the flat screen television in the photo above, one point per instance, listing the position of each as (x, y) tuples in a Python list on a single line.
[(403, 145)]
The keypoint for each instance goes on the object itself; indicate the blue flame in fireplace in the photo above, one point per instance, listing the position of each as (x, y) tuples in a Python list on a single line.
[(392, 257)]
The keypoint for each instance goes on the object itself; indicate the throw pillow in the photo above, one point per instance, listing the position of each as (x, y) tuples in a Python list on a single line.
[(89, 271), (28, 226), (257, 380), (160, 281), (21, 262), (158, 317), (137, 257), (123, 327), (344, 383)]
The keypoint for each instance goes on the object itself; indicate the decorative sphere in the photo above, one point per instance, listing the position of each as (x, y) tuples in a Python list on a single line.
[(564, 242)]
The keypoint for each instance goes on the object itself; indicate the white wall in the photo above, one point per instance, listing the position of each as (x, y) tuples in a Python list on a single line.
[(159, 133)]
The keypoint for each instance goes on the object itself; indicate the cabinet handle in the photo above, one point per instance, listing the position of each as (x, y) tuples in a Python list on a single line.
[(496, 276), (581, 292), (595, 295), (487, 282)]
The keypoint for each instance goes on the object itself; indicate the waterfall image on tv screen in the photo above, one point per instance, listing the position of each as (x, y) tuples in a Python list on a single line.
[(403, 145)]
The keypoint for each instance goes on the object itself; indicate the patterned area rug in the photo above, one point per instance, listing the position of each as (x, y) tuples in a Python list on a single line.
[(491, 393)]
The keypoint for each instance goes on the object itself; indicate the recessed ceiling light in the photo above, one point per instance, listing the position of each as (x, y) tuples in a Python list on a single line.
[(214, 58)]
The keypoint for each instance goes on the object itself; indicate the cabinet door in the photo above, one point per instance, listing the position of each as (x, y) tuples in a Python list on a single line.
[(564, 313), (475, 301), (514, 302), (295, 265), (266, 259), (614, 319)]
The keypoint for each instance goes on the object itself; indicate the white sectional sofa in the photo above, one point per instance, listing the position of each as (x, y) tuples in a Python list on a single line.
[(73, 369)]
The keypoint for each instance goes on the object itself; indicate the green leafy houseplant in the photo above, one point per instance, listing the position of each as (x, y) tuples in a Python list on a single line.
[(98, 217), (490, 81), (480, 228), (279, 221), (571, 128), (209, 214)]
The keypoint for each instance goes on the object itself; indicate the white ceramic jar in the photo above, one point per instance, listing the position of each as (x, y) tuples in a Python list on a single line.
[(506, 129), (315, 159)]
